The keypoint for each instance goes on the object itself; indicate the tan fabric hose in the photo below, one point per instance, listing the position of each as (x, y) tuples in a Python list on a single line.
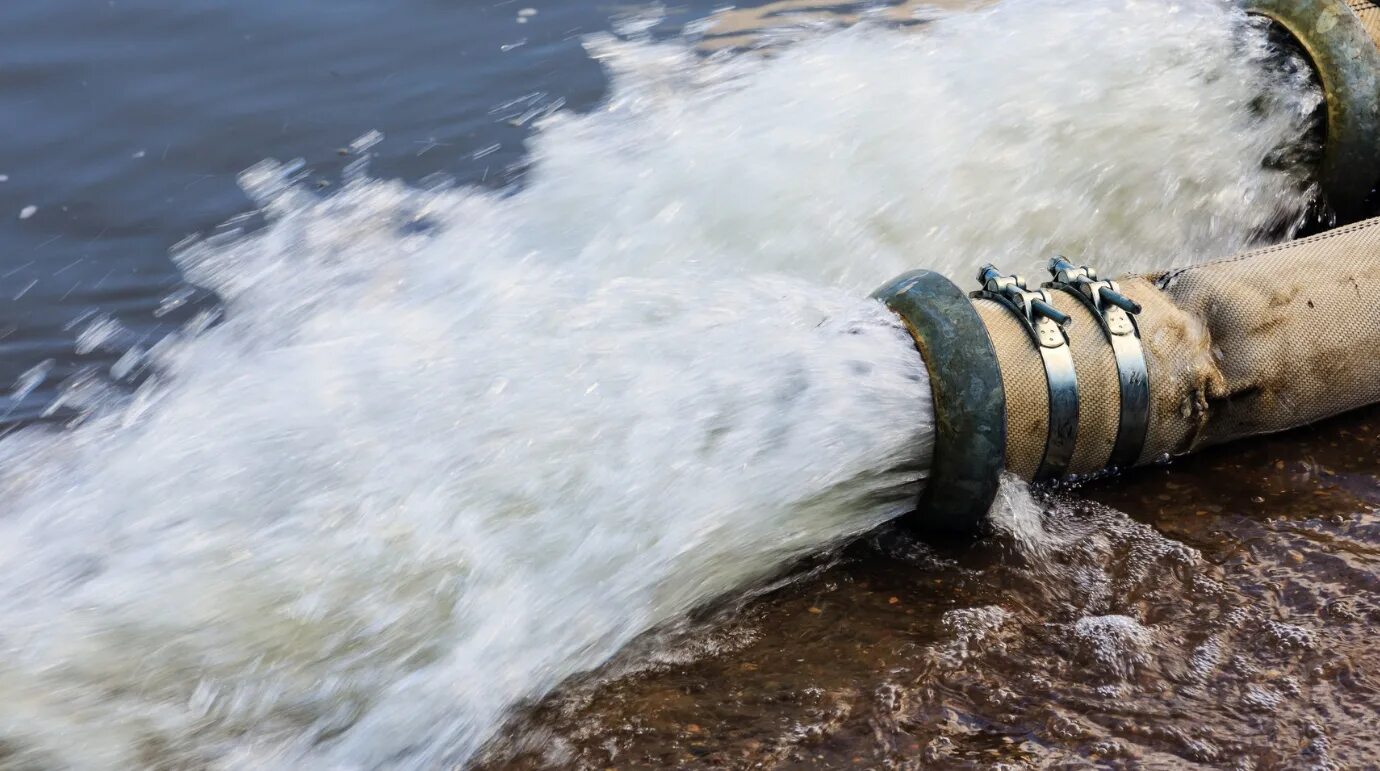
[(1266, 341)]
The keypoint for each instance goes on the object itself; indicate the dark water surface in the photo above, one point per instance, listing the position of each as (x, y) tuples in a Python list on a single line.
[(126, 122)]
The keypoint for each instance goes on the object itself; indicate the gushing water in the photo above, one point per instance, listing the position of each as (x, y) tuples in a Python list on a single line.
[(445, 448)]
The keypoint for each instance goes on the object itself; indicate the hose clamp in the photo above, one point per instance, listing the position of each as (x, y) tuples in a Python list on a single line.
[(1116, 314), (1046, 326)]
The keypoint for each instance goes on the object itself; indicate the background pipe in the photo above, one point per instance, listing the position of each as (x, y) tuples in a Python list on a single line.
[(1341, 41)]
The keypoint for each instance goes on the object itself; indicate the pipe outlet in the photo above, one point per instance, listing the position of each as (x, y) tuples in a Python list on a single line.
[(1079, 376)]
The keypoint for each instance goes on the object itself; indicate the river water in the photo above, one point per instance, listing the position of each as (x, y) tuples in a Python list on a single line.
[(551, 356)]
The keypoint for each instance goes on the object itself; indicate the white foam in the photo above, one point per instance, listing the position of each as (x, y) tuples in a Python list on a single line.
[(1118, 644)]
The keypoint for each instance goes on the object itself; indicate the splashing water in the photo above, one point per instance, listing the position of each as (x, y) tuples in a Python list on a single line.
[(446, 448)]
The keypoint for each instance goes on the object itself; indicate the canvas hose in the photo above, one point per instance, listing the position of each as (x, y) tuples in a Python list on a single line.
[(1262, 342)]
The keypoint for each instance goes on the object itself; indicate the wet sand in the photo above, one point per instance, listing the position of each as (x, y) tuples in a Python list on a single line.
[(1215, 612)]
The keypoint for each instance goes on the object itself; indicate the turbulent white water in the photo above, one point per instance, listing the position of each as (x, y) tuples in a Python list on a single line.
[(447, 448)]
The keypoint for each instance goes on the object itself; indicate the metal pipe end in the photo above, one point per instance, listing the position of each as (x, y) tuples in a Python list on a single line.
[(969, 401)]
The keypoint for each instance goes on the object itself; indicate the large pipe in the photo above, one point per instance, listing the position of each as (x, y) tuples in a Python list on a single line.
[(1082, 376), (1079, 375)]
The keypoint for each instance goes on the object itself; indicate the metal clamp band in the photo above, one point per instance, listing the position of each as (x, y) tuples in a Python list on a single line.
[(1115, 313), (1045, 324)]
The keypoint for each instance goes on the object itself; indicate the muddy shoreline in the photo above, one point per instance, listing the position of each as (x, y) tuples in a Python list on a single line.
[(1231, 597)]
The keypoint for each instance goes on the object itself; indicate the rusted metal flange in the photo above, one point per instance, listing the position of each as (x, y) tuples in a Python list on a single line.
[(969, 401), (1347, 62)]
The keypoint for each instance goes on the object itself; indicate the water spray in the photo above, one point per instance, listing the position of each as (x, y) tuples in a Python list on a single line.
[(446, 449)]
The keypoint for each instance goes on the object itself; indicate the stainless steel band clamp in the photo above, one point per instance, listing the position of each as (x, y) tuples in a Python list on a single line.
[(1045, 324), (1115, 313)]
